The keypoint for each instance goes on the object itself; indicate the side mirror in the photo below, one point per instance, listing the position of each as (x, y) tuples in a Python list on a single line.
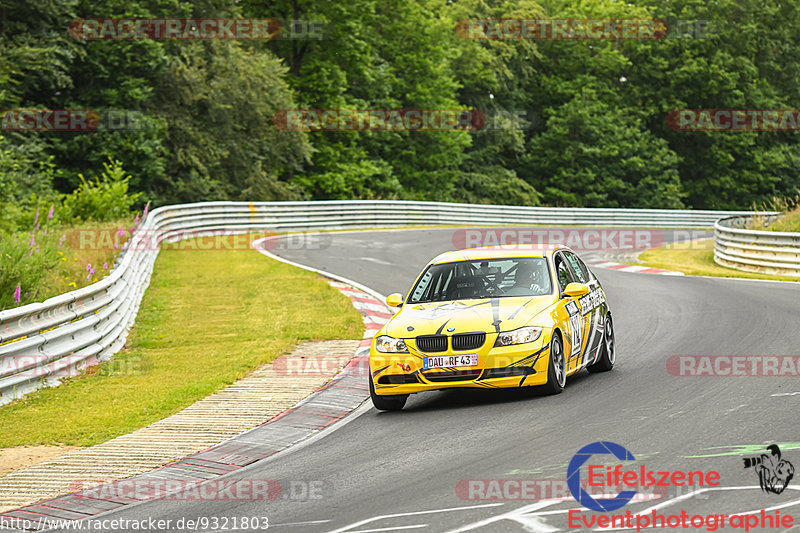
[(396, 300), (576, 290)]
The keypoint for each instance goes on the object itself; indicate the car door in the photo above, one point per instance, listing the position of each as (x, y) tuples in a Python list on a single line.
[(590, 308), (568, 311)]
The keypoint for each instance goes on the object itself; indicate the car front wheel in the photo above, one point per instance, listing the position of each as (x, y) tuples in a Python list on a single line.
[(557, 369), (386, 403)]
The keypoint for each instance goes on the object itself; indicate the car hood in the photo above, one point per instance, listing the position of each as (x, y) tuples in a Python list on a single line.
[(466, 316)]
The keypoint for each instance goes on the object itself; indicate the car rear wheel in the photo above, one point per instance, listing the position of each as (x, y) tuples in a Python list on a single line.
[(607, 350), (557, 369), (394, 402)]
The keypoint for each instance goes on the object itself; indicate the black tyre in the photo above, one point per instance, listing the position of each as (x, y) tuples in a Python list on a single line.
[(557, 369), (607, 350), (386, 403)]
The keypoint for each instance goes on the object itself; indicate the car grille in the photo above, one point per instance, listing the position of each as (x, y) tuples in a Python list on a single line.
[(453, 375), (432, 343), (468, 341)]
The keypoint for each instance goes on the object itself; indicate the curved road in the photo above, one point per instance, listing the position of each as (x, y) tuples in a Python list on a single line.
[(399, 471)]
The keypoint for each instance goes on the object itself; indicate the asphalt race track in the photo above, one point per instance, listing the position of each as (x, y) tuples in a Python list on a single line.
[(400, 471)]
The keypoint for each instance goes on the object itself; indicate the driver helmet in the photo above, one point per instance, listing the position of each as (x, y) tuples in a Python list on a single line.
[(526, 273)]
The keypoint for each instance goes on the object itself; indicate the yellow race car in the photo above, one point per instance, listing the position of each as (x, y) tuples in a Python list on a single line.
[(495, 317)]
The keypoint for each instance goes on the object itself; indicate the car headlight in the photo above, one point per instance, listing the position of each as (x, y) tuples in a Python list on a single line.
[(388, 344), (518, 336)]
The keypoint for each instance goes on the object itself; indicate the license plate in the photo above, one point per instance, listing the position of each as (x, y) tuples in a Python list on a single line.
[(448, 361)]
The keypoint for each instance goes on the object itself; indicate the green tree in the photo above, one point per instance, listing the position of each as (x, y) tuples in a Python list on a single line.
[(218, 99), (595, 155)]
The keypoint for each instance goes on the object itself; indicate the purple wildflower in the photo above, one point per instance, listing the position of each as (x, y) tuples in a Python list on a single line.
[(105, 266), (36, 218), (32, 242), (136, 220), (50, 214), (88, 267), (61, 241), (17, 293), (146, 208)]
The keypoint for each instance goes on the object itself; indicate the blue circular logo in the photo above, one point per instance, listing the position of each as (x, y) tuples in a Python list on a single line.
[(602, 505)]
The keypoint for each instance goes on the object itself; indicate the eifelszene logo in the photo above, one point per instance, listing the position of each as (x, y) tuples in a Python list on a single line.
[(613, 478), (774, 472), (574, 476)]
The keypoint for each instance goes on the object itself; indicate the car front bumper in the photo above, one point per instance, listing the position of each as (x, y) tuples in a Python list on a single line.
[(498, 367)]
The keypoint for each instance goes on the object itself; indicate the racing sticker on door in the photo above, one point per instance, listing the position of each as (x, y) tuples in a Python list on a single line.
[(590, 305), (575, 325), (591, 300)]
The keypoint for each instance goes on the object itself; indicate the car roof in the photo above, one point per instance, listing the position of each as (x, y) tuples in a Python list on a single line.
[(498, 252)]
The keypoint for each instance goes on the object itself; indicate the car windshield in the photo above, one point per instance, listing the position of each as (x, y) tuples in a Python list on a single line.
[(483, 278)]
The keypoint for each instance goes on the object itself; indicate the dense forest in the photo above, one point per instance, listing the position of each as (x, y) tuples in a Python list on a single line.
[(569, 122)]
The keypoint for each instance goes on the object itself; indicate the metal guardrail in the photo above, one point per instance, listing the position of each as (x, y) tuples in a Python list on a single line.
[(41, 343), (766, 252)]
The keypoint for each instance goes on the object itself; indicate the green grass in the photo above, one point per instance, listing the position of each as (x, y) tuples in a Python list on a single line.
[(207, 319), (697, 259), (58, 263), (789, 221)]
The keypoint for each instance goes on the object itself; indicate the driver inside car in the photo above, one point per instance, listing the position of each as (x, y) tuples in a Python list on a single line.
[(526, 281)]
